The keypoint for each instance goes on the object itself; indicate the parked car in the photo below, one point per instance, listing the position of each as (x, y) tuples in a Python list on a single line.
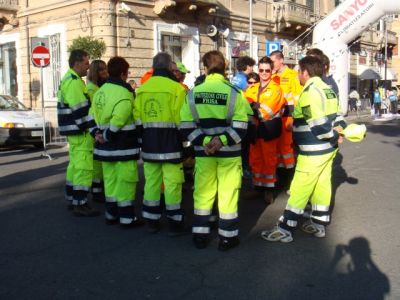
[(19, 125)]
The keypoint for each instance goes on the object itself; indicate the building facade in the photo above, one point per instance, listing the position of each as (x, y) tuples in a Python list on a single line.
[(138, 29)]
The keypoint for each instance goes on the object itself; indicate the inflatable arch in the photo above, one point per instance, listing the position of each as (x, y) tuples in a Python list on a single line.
[(342, 26)]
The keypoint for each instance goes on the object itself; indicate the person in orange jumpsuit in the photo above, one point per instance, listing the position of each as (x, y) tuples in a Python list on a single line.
[(267, 101), (289, 82)]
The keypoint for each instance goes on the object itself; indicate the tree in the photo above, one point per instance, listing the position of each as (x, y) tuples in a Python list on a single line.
[(95, 47)]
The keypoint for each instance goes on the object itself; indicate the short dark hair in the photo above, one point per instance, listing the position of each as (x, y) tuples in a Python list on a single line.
[(313, 65), (162, 60), (214, 61), (325, 60), (253, 75), (76, 55), (277, 53), (266, 60), (117, 66), (243, 62), (314, 52)]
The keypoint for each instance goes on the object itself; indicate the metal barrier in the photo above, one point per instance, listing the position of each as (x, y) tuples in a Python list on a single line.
[(53, 137)]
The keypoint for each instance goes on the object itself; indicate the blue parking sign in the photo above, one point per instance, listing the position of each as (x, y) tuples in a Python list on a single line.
[(272, 46)]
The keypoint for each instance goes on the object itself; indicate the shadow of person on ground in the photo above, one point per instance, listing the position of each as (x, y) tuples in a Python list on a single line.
[(354, 273), (339, 176)]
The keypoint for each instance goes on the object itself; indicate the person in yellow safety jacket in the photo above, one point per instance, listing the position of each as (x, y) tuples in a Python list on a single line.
[(157, 106), (289, 82), (214, 119), (96, 76), (74, 121), (117, 145), (267, 101), (316, 133)]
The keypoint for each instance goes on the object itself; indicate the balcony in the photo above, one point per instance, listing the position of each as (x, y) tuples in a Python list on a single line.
[(184, 6), (9, 5), (292, 13)]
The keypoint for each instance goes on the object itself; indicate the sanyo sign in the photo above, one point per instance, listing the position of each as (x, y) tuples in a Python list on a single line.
[(348, 13), (342, 26)]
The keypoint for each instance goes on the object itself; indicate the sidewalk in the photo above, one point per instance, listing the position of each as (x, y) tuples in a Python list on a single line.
[(365, 116)]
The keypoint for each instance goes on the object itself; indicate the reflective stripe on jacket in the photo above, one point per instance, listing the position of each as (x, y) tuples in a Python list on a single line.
[(215, 108), (314, 119), (73, 105), (157, 106), (290, 85), (271, 102), (113, 112)]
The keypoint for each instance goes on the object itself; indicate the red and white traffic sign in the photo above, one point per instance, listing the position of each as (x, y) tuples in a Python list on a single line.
[(40, 56)]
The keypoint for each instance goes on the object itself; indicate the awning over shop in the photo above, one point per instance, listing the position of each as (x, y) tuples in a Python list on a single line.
[(372, 73), (368, 72)]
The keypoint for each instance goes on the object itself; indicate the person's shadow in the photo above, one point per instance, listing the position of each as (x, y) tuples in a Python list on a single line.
[(339, 176), (355, 275)]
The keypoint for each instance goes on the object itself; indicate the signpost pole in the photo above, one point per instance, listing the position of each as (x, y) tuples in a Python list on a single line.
[(44, 153), (40, 57)]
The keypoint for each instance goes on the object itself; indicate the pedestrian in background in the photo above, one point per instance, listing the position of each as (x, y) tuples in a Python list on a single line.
[(214, 119), (354, 96), (117, 144), (393, 101), (157, 106), (74, 122), (377, 103), (96, 77), (180, 72), (253, 78), (244, 67)]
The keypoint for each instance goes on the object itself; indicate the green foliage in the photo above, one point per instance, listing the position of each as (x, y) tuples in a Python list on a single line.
[(95, 47)]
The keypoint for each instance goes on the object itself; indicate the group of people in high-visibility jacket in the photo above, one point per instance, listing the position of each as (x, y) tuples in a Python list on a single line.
[(109, 129)]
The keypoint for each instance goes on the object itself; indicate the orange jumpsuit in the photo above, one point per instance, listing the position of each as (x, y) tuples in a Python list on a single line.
[(263, 154), (289, 82)]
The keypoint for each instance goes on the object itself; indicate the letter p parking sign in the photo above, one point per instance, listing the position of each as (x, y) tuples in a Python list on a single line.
[(272, 46)]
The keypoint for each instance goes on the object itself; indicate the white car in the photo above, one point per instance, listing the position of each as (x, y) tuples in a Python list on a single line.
[(18, 124)]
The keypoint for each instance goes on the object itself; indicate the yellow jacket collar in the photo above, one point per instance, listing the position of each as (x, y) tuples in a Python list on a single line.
[(312, 80), (215, 76)]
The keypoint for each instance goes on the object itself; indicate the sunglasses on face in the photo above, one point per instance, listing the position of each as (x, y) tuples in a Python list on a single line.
[(264, 70), (251, 82)]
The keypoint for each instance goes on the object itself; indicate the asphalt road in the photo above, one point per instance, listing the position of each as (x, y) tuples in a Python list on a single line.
[(47, 253)]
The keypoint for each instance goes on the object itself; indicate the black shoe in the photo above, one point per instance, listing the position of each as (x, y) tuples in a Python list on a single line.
[(98, 198), (85, 211), (228, 243), (153, 226), (111, 221), (176, 229), (200, 242), (135, 223), (70, 206)]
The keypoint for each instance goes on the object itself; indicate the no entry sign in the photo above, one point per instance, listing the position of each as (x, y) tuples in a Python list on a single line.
[(40, 56)]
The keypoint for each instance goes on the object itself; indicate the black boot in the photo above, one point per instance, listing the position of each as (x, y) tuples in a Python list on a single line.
[(200, 241), (227, 243), (153, 226), (175, 228)]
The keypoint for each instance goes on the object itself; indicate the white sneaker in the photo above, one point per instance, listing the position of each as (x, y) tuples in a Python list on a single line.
[(315, 229), (277, 234)]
